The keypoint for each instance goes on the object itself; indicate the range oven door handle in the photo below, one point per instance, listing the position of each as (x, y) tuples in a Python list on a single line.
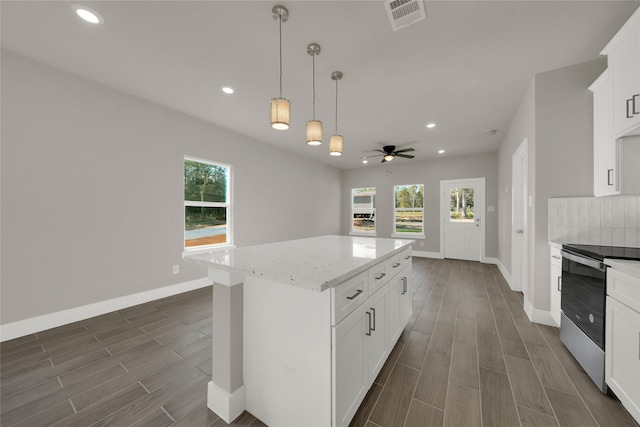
[(584, 261)]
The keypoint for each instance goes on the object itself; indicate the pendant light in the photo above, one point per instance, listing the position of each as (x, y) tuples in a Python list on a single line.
[(314, 127), (336, 142), (280, 107)]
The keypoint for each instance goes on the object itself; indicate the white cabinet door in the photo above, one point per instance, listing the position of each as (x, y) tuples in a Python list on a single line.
[(350, 372), (406, 294), (395, 294), (605, 147), (556, 285), (622, 355), (624, 60), (376, 314)]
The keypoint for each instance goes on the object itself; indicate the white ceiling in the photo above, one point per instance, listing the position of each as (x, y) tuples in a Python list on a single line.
[(466, 67)]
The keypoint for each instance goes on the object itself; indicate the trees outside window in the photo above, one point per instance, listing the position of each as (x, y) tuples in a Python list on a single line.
[(207, 207), (409, 209)]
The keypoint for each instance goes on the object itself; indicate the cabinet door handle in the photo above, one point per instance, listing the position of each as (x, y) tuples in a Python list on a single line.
[(629, 110), (369, 324), (396, 265), (609, 176), (557, 256), (380, 276), (559, 283), (404, 285), (635, 103), (374, 319), (355, 295)]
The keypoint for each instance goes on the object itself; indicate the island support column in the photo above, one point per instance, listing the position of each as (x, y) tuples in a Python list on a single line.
[(226, 392)]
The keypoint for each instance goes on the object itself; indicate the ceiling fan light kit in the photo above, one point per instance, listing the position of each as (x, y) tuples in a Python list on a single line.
[(314, 127), (280, 107), (336, 141)]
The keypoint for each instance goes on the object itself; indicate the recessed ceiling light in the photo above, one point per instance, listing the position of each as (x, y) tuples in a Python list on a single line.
[(440, 151), (431, 125), (87, 14), (228, 90), (365, 161)]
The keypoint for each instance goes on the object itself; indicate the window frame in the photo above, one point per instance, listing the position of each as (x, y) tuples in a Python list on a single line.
[(228, 204), (407, 234), (353, 232)]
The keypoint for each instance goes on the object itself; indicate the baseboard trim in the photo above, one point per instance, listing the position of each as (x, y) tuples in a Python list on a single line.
[(227, 406), (424, 254), (538, 316), (506, 274), (47, 321)]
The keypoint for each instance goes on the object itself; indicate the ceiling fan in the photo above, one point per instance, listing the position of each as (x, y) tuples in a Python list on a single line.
[(389, 152)]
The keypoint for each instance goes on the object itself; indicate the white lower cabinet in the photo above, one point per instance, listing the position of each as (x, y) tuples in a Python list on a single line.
[(556, 284), (622, 340)]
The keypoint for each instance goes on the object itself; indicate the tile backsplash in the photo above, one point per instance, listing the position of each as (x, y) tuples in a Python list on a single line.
[(611, 220)]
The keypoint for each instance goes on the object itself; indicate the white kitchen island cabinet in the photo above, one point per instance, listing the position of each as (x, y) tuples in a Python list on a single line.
[(319, 319)]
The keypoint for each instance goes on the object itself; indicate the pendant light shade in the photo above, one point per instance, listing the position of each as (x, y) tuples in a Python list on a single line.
[(280, 113), (335, 145), (314, 132), (314, 127), (280, 107), (336, 141)]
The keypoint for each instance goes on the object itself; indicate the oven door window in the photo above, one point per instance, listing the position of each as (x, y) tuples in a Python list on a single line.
[(583, 298)]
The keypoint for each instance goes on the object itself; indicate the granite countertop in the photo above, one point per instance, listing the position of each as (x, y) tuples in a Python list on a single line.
[(626, 266), (316, 263)]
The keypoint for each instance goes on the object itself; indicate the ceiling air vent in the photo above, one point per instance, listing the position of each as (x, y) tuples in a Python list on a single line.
[(403, 13)]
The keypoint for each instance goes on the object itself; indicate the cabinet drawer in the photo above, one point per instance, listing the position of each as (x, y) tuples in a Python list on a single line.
[(347, 296), (556, 257), (624, 288), (378, 276)]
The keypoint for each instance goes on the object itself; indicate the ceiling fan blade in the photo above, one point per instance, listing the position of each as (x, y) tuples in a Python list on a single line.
[(373, 155), (380, 151), (406, 156), (405, 150)]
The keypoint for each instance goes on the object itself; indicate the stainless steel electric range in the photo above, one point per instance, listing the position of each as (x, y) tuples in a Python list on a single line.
[(583, 298)]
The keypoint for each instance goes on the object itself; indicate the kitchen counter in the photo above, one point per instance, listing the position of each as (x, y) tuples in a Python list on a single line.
[(629, 267), (302, 328), (316, 263)]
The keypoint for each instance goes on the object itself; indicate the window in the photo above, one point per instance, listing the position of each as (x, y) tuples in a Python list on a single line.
[(409, 209), (207, 207), (363, 210), (461, 206)]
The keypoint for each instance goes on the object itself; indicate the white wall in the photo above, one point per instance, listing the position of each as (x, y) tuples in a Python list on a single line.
[(556, 116), (429, 173), (92, 197)]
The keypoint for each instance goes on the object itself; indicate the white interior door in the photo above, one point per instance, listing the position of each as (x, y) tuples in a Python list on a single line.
[(462, 218), (519, 195)]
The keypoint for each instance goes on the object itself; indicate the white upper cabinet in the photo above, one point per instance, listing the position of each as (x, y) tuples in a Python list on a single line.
[(605, 147), (623, 52)]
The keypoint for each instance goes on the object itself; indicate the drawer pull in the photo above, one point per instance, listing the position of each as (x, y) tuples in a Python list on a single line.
[(559, 283), (407, 257), (369, 324), (557, 256), (380, 276), (373, 310), (396, 265), (355, 295)]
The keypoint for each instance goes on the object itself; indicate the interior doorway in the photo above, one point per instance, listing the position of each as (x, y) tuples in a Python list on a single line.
[(519, 232), (462, 228)]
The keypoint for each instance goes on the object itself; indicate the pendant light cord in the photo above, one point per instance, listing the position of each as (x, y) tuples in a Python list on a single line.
[(336, 106), (314, 85), (280, 22)]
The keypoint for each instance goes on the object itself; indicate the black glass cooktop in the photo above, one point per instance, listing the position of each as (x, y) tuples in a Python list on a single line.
[(601, 252)]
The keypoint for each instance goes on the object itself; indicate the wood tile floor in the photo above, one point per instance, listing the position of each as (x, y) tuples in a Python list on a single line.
[(469, 356)]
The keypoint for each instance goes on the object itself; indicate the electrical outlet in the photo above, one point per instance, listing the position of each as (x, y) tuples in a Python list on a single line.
[(176, 269)]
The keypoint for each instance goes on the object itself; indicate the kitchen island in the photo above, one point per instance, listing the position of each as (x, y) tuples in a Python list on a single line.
[(302, 328)]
